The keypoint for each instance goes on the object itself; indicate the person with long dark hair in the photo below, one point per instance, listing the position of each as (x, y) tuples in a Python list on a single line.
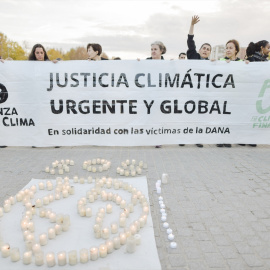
[(38, 53), (258, 52)]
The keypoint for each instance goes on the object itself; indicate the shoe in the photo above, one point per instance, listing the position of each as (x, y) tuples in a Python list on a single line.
[(219, 145), (253, 145), (227, 145), (181, 144), (3, 146), (199, 145), (158, 146), (242, 144)]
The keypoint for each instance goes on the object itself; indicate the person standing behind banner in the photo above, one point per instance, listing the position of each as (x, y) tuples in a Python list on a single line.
[(231, 51), (157, 49), (182, 56), (258, 52), (192, 54), (94, 51), (39, 53)]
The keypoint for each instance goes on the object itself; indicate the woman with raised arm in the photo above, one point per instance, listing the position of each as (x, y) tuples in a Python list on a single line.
[(205, 49), (258, 52), (192, 54)]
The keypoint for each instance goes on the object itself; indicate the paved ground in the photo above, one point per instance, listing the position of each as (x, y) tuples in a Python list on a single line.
[(217, 199)]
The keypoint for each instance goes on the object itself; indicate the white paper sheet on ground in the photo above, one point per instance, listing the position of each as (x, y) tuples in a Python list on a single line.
[(80, 234)]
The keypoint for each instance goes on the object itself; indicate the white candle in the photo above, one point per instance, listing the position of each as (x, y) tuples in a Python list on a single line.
[(50, 259), (71, 191), (43, 239), (133, 229), (165, 225), (116, 242), (75, 179), (58, 229), (118, 200), (114, 228), (52, 217), (38, 203), (94, 169), (51, 233), (85, 165), (60, 171), (52, 171), (122, 222), (71, 162), (137, 239), (93, 254), (15, 255), (123, 238), (5, 250), (36, 248), (170, 236), (41, 185), (46, 200), (131, 244), (65, 193), (163, 218), (105, 233), (84, 255), (110, 246), (103, 251), (109, 208), (81, 180), (7, 208), (158, 190), (126, 172), (72, 257), (88, 212), (39, 258), (173, 245), (164, 178), (123, 204), (27, 257), (47, 169), (61, 257), (90, 179)]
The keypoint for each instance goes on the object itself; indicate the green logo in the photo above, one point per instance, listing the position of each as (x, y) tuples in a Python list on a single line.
[(261, 95)]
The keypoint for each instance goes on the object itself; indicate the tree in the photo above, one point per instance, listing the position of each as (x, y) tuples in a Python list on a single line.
[(78, 53), (55, 53), (11, 49)]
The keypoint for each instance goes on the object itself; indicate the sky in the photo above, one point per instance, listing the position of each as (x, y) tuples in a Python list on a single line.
[(127, 28)]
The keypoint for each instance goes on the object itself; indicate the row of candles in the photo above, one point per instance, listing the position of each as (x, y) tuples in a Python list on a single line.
[(90, 165), (62, 166), (163, 213), (129, 236), (131, 168)]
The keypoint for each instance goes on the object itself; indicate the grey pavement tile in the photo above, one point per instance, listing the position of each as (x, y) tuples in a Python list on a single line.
[(252, 260), (214, 260), (177, 260)]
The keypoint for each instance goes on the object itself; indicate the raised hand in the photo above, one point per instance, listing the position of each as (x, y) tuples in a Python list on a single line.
[(195, 19)]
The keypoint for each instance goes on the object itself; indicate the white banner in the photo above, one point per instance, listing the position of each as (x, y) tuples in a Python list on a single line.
[(131, 103)]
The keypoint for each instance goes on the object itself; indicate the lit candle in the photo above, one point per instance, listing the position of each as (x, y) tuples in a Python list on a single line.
[(105, 233), (139, 170), (36, 248), (50, 259), (52, 217), (60, 171), (165, 225), (116, 242), (52, 171), (109, 208), (114, 228), (93, 254), (15, 254), (123, 204), (43, 239), (39, 258), (65, 193), (5, 250), (51, 233), (47, 169), (27, 257), (38, 203), (123, 238), (84, 255), (131, 244), (41, 185), (103, 251), (85, 165), (58, 229), (118, 200), (122, 222), (61, 257), (7, 208), (122, 172), (88, 212), (71, 162), (126, 172), (46, 200), (110, 246), (72, 257), (133, 229)]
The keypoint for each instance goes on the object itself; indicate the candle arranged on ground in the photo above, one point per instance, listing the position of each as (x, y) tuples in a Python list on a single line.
[(50, 259)]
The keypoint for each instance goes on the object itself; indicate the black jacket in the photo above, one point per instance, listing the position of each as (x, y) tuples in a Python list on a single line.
[(191, 52), (257, 57), (150, 58)]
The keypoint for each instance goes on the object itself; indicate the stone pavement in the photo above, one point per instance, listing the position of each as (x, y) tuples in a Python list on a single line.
[(217, 199)]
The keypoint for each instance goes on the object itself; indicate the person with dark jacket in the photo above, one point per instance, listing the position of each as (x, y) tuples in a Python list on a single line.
[(192, 54), (258, 52), (205, 49)]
